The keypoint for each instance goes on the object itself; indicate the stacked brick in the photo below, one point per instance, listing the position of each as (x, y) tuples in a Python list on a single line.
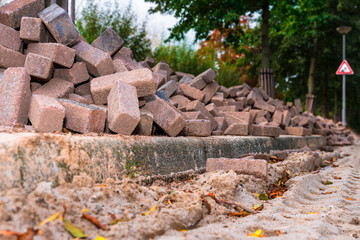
[(52, 78)]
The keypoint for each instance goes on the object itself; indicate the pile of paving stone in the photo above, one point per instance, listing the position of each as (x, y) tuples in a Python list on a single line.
[(52, 78)]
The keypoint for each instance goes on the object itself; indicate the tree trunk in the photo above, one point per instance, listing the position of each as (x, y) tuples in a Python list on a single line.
[(265, 51), (311, 79), (325, 105)]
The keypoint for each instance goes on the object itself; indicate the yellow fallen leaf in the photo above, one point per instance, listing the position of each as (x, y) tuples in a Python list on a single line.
[(148, 212), (317, 212), (68, 135), (100, 238), (313, 194), (256, 234), (350, 199), (85, 210), (336, 187), (102, 185), (157, 188), (50, 219), (182, 230), (168, 201)]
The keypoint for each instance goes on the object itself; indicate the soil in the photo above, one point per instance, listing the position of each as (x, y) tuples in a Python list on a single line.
[(182, 213)]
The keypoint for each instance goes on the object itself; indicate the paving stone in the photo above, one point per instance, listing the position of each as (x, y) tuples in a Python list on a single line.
[(297, 103), (165, 115), (263, 93), (129, 63), (15, 97), (98, 63), (61, 55), (123, 108), (182, 74), (125, 52), (56, 88), (145, 65), (261, 104), (109, 41), (146, 123), (238, 129), (265, 130), (197, 127), (10, 58), (297, 131), (231, 108), (83, 118), (191, 93), (277, 116), (222, 123), (256, 167), (251, 98), (242, 93), (286, 118), (163, 66), (33, 30), (81, 99), (212, 109), (46, 114), (169, 88), (217, 133), (10, 38), (231, 102), (208, 76), (187, 80), (242, 100), (237, 117), (150, 61), (34, 86), (197, 83), (218, 99), (260, 120), (142, 79), (294, 111), (11, 13), (119, 66), (180, 101), (210, 90), (225, 91), (83, 89), (193, 115), (76, 74), (159, 79), (59, 24), (39, 67), (234, 90)]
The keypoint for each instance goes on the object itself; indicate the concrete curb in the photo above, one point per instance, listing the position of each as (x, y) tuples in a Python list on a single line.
[(29, 158)]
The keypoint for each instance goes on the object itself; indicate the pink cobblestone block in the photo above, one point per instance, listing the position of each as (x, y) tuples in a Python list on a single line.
[(46, 114), (123, 108), (256, 167), (76, 74), (10, 38), (39, 67), (15, 97), (56, 88), (83, 118), (10, 58)]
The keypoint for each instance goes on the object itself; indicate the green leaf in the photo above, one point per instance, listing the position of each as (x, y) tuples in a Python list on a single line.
[(263, 196), (328, 182), (73, 230)]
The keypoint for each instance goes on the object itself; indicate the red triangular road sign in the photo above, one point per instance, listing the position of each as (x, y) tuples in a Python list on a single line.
[(344, 69)]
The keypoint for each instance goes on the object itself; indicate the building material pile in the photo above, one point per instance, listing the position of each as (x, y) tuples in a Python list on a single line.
[(51, 77)]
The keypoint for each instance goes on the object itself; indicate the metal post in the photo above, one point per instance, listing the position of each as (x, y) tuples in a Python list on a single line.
[(343, 112)]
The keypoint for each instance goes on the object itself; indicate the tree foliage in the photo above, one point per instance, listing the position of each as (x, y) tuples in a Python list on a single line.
[(94, 20)]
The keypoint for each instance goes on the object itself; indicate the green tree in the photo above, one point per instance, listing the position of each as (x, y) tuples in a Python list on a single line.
[(182, 57), (94, 20), (204, 16)]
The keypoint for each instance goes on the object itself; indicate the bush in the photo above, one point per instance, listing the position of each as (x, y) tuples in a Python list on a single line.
[(95, 20)]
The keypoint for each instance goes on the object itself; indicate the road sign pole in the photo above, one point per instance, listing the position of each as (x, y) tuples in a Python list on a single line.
[(343, 112)]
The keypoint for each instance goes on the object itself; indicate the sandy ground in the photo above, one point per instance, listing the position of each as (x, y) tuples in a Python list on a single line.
[(181, 212)]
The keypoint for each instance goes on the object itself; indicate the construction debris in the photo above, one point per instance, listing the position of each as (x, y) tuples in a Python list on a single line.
[(103, 88)]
